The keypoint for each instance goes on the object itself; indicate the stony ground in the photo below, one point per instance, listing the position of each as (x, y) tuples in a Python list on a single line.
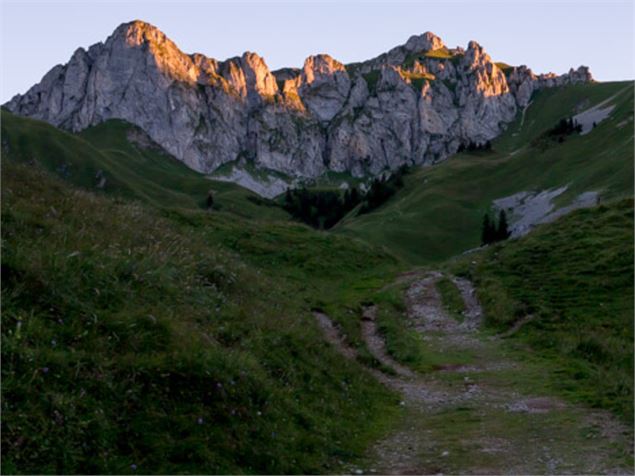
[(482, 417)]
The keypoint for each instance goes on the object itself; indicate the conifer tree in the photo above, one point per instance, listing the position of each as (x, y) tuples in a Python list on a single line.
[(487, 230), (354, 196), (502, 232)]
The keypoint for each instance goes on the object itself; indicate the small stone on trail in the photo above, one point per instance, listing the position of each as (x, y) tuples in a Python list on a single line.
[(445, 453)]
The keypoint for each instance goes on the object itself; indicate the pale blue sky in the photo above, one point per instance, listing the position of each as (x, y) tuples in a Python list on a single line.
[(545, 35)]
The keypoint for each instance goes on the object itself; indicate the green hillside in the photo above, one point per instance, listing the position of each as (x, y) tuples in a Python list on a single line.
[(176, 341), (566, 290), (131, 171), (438, 213)]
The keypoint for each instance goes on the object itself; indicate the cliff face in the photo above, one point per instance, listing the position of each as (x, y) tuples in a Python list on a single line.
[(414, 104)]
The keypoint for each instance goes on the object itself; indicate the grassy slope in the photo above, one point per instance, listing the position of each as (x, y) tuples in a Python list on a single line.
[(561, 297), (176, 340), (571, 282), (131, 171), (438, 214)]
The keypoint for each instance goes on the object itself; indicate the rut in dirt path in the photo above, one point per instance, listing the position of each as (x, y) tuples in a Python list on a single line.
[(375, 343), (468, 418)]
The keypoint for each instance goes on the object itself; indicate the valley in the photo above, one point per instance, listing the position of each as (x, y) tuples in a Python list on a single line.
[(159, 318)]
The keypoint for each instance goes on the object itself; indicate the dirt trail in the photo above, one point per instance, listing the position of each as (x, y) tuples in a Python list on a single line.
[(375, 343), (478, 417)]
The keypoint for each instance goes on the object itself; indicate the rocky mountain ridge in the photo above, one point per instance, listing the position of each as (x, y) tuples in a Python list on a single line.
[(415, 104)]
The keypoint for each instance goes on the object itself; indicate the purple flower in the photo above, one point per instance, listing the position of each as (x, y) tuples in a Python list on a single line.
[(200, 421), (133, 467), (45, 370)]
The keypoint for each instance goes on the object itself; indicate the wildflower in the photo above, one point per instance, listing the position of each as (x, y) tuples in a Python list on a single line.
[(133, 467), (45, 370), (200, 421)]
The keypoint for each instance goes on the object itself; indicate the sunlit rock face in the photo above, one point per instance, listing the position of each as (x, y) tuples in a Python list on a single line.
[(324, 86), (414, 104)]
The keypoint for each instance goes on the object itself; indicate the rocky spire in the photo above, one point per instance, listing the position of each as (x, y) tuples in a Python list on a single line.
[(425, 42), (323, 86)]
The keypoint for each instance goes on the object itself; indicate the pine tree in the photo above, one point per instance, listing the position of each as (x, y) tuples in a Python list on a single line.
[(347, 204), (487, 230), (502, 232), (354, 196), (210, 200)]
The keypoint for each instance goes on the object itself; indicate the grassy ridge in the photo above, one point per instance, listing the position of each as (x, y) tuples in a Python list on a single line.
[(438, 213), (566, 290), (131, 171), (138, 340)]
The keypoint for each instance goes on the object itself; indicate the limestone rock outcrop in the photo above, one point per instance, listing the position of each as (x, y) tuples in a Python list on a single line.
[(415, 104)]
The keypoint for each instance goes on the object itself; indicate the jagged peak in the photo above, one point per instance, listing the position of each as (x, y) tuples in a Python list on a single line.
[(324, 63), (424, 42), (136, 32), (254, 61), (320, 66), (136, 26), (474, 45), (475, 55)]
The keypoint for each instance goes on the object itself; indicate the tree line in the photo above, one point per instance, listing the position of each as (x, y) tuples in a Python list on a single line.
[(319, 208), (323, 209), (475, 147), (382, 188), (565, 127)]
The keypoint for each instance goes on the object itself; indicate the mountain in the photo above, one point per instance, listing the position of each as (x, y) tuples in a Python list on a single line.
[(439, 211), (416, 104), (146, 330)]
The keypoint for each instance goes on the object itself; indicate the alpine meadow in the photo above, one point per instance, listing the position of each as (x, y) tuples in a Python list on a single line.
[(421, 263)]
